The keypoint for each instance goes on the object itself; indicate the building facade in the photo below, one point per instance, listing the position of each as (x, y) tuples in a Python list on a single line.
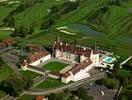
[(35, 59), (84, 58)]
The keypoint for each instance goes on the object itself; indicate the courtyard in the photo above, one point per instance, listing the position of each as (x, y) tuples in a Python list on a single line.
[(55, 66)]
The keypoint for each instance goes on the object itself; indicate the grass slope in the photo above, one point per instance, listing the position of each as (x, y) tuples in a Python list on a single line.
[(116, 22), (29, 74), (26, 97), (4, 11), (49, 83), (35, 14), (5, 72), (4, 34)]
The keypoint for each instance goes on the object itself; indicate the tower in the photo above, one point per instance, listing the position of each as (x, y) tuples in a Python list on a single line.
[(56, 46), (95, 55), (58, 38)]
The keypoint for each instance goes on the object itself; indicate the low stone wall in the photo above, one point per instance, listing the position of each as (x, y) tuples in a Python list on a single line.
[(36, 70)]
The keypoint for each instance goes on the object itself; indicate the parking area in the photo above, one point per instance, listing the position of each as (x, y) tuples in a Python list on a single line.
[(95, 91), (12, 58)]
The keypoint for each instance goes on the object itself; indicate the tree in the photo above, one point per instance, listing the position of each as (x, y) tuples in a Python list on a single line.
[(12, 87), (82, 93), (47, 23), (23, 31), (1, 62), (9, 21), (114, 2), (109, 82), (116, 69), (27, 83), (31, 30)]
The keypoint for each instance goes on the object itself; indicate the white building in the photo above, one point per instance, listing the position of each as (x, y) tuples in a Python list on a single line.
[(74, 53), (85, 58), (78, 72), (36, 59)]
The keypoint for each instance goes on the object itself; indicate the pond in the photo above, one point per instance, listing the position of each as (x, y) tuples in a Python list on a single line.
[(86, 30)]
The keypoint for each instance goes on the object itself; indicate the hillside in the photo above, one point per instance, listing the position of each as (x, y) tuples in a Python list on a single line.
[(113, 23), (35, 14)]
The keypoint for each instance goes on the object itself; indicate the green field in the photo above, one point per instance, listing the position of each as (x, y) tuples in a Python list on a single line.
[(29, 74), (119, 46), (4, 34), (50, 83), (5, 72), (116, 23), (4, 11), (26, 97), (125, 73), (35, 14), (55, 66)]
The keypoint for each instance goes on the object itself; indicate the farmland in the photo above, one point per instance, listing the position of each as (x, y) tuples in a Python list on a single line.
[(106, 23), (115, 24)]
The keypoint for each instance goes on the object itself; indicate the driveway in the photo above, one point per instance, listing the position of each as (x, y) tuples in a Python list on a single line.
[(95, 91)]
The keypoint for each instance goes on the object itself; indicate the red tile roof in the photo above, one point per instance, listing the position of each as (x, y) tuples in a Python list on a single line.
[(78, 50), (34, 57), (2, 45), (66, 75), (40, 98), (77, 68), (6, 42)]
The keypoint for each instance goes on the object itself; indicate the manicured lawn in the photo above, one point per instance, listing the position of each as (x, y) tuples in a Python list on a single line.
[(55, 66), (29, 74), (50, 83), (4, 11), (26, 97), (5, 72), (4, 34)]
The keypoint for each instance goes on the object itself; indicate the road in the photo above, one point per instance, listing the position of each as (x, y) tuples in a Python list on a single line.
[(69, 86)]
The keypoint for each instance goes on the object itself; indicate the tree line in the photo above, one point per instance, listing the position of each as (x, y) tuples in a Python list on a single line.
[(22, 31), (14, 85), (79, 94)]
